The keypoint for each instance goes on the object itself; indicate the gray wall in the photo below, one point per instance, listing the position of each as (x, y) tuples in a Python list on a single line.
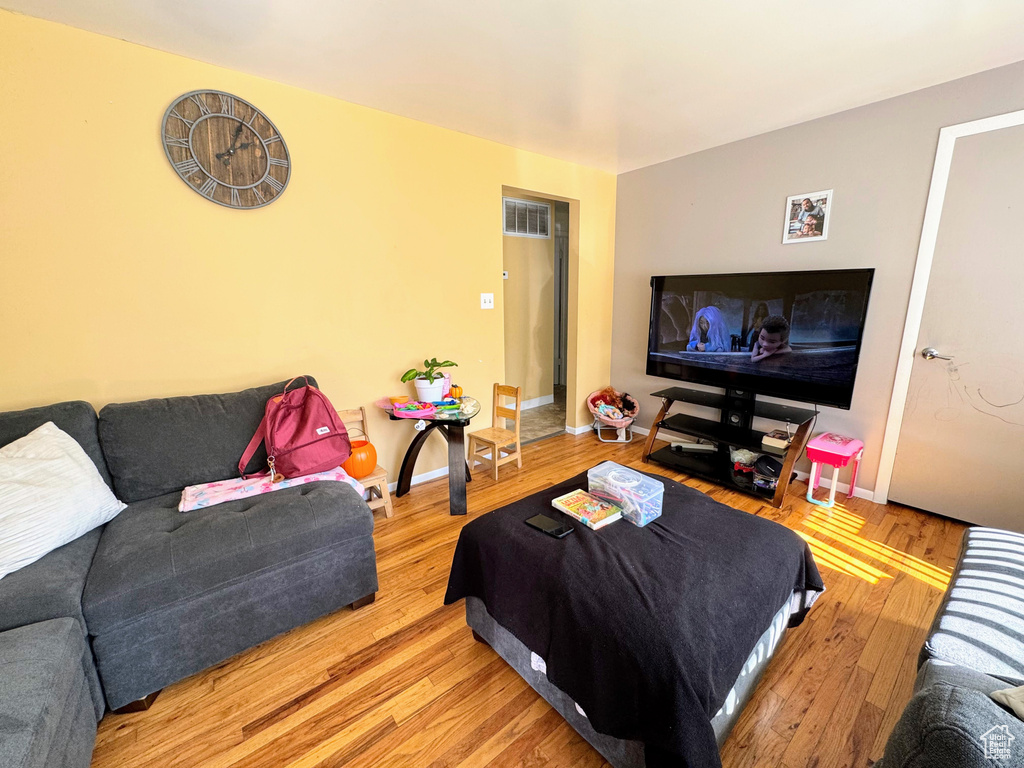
[(722, 210)]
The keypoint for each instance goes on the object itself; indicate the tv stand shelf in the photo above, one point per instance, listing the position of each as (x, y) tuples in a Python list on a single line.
[(734, 407)]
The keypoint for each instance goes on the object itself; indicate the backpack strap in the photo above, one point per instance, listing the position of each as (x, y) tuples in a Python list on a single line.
[(250, 450), (304, 379)]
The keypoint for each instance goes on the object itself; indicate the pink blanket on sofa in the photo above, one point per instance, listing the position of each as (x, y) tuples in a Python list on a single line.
[(208, 494)]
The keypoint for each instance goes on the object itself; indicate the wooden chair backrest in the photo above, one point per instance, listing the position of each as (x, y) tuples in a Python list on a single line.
[(354, 420), (502, 412)]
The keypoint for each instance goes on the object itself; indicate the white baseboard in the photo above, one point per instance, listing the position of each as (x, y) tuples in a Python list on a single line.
[(536, 402), (422, 478), (826, 482)]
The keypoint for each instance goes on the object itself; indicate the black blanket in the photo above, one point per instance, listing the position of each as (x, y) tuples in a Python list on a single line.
[(647, 629)]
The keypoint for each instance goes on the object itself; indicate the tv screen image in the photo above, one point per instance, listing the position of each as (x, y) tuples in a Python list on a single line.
[(795, 335)]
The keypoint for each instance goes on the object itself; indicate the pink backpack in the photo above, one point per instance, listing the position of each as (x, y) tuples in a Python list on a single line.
[(303, 434)]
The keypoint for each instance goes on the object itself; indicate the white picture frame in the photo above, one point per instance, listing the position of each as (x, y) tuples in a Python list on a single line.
[(805, 224)]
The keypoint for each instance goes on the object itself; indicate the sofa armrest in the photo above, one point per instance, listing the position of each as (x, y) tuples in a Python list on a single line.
[(946, 725)]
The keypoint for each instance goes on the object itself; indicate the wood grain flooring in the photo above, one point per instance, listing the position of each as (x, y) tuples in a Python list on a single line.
[(402, 683)]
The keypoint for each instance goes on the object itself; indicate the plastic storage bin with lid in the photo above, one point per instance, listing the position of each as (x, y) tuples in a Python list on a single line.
[(639, 496)]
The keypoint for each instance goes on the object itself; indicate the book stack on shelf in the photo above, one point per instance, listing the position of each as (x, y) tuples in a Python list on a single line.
[(777, 442)]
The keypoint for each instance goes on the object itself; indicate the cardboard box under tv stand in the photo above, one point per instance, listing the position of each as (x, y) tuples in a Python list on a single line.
[(731, 430)]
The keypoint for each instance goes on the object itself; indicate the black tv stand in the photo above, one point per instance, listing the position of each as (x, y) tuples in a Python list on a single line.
[(733, 429)]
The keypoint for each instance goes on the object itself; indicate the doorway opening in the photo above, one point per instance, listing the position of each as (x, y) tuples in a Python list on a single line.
[(535, 258)]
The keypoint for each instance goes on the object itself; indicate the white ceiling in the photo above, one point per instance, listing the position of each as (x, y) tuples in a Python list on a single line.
[(615, 84)]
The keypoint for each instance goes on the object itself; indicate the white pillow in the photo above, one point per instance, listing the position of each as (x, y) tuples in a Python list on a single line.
[(50, 493), (1012, 698)]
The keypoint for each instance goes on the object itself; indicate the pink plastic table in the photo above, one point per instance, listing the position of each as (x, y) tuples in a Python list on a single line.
[(837, 451)]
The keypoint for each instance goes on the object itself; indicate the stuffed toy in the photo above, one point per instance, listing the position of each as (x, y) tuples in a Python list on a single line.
[(609, 411), (624, 405), (608, 397), (629, 405)]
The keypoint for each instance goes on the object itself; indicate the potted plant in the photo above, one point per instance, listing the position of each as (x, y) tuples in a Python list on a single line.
[(429, 382)]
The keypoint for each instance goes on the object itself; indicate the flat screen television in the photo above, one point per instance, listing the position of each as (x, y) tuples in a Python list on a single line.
[(794, 335)]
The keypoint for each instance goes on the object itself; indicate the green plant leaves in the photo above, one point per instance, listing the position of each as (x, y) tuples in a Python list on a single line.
[(430, 370)]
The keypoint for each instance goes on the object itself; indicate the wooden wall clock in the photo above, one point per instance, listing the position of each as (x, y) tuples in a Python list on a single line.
[(225, 149)]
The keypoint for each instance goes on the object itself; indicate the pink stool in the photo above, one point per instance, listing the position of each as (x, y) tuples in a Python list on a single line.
[(837, 451)]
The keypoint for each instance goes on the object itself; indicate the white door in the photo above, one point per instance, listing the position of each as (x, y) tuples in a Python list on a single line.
[(961, 444)]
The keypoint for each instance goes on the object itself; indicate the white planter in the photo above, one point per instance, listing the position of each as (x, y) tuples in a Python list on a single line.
[(427, 392)]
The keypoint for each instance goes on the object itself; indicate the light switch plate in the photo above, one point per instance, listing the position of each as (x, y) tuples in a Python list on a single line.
[(486, 301)]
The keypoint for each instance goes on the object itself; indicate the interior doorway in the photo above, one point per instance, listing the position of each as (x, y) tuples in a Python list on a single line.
[(956, 425), (536, 306)]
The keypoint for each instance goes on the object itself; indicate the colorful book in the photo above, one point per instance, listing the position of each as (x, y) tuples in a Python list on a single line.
[(588, 509)]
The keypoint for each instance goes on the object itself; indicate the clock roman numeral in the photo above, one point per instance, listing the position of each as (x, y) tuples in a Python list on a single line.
[(252, 118), (259, 195), (174, 141), (208, 188), (272, 139), (201, 103), (189, 123), (187, 167), (227, 104), (276, 185), (278, 161), (236, 199)]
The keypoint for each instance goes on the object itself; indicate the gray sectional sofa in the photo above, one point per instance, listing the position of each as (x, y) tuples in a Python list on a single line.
[(157, 595), (975, 646)]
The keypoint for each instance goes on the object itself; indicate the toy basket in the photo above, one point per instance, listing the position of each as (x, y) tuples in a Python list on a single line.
[(623, 427)]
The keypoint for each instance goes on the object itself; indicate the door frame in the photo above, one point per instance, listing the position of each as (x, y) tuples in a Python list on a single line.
[(572, 359), (919, 287)]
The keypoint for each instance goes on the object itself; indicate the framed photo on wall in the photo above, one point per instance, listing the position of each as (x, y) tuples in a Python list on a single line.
[(807, 217)]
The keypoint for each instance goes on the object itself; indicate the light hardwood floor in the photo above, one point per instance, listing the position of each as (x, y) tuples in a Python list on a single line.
[(402, 683)]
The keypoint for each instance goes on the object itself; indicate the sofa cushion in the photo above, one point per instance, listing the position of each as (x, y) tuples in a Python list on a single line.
[(946, 725), (152, 556), (77, 418), (171, 593), (980, 624), (46, 714), (156, 446), (51, 588), (935, 671)]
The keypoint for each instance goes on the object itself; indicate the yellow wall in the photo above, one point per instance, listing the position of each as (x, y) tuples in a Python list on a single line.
[(119, 283), (529, 300)]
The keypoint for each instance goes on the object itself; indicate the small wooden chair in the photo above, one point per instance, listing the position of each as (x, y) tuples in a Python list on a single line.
[(498, 440), (375, 483)]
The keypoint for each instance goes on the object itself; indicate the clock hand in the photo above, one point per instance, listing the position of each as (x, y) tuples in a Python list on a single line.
[(225, 156)]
